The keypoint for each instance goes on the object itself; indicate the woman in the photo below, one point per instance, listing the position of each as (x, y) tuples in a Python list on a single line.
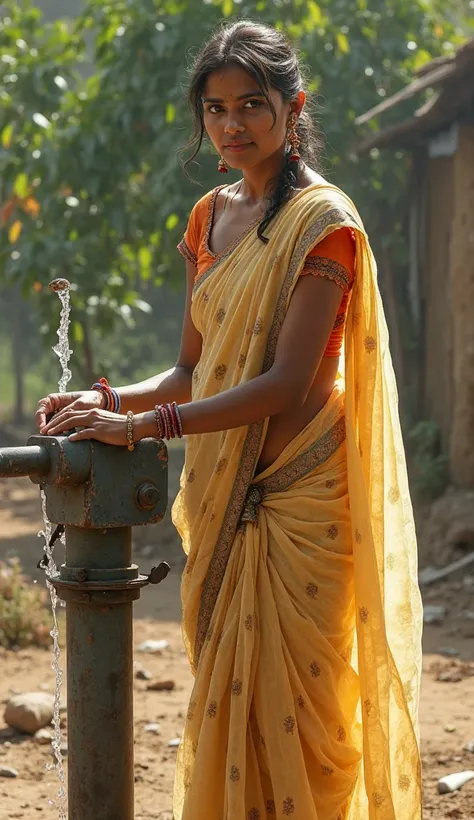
[(301, 612)]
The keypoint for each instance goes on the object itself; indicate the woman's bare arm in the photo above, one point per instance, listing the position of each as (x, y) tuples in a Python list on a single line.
[(301, 344)]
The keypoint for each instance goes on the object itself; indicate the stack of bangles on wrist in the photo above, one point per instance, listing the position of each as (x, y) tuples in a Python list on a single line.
[(167, 417), (168, 421), (112, 398)]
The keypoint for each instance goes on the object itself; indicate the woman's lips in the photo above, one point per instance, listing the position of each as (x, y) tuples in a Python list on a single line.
[(236, 148)]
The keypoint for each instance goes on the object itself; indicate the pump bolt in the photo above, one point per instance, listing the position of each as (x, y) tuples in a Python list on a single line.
[(148, 496)]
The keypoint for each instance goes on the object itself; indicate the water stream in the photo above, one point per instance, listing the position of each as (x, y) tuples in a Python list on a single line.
[(61, 287)]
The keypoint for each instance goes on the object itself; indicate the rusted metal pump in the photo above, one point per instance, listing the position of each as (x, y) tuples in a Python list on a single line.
[(98, 492)]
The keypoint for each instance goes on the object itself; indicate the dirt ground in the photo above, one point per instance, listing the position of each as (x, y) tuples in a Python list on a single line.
[(447, 707)]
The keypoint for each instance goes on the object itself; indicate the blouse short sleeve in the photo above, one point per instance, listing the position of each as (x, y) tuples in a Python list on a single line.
[(188, 247), (194, 235), (334, 258)]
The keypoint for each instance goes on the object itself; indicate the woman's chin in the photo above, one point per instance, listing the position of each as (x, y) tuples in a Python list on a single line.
[(241, 163)]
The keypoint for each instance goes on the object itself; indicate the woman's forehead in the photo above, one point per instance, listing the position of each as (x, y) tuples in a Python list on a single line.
[(231, 80), (230, 83)]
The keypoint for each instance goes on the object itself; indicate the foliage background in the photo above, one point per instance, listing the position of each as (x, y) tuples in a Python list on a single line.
[(92, 110)]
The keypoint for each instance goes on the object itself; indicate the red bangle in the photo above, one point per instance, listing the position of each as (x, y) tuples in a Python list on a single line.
[(177, 426), (165, 409), (168, 421), (106, 386), (164, 421), (103, 386)]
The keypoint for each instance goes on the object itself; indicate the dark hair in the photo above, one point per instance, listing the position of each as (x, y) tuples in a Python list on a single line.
[(268, 56)]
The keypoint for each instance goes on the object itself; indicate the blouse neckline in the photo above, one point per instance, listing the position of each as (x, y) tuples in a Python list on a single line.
[(210, 225)]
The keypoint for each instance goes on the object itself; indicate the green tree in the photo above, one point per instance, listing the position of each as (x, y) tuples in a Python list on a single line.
[(93, 173), (30, 95)]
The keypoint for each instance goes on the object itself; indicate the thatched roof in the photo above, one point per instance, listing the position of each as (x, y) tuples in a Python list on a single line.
[(452, 82)]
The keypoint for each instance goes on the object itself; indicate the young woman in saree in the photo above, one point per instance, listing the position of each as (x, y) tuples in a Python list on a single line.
[(301, 610)]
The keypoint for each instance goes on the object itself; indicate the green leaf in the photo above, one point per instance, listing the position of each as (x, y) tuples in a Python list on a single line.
[(78, 332), (227, 7), (155, 238), (144, 260), (171, 222), (170, 113), (15, 231), (20, 186), (7, 135), (315, 13), (342, 42)]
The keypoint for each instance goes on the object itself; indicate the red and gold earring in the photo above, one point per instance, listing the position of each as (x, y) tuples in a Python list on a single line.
[(293, 139), (222, 166)]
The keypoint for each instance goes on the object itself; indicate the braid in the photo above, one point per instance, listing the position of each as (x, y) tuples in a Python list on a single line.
[(285, 184), (287, 180)]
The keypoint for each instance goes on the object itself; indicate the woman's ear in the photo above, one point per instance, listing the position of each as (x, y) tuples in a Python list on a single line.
[(297, 105)]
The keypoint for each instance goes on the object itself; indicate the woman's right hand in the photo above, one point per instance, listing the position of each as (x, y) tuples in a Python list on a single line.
[(55, 403)]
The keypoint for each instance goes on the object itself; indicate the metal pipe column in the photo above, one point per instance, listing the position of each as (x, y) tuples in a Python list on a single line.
[(99, 683), (98, 493)]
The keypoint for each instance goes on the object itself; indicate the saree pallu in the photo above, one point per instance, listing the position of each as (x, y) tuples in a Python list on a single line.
[(301, 610)]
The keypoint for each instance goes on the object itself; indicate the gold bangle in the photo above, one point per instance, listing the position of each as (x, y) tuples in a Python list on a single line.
[(130, 444)]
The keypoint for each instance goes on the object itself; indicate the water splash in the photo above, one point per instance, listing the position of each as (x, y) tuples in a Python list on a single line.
[(51, 570), (63, 352), (61, 287)]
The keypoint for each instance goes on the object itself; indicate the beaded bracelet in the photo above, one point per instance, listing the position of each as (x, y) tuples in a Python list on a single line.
[(112, 398), (168, 421), (159, 423), (130, 442)]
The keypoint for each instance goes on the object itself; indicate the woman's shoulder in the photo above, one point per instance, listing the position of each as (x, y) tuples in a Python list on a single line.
[(329, 198), (206, 199), (310, 177), (312, 184), (202, 203)]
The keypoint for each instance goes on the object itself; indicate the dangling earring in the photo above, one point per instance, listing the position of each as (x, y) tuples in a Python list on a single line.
[(293, 139), (222, 166)]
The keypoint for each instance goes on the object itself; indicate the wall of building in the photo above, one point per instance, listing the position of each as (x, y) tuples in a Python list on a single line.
[(462, 305), (436, 363)]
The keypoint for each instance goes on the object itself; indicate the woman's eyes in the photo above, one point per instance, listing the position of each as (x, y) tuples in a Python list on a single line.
[(216, 108)]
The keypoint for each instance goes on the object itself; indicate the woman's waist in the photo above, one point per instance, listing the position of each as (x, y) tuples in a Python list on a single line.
[(287, 427), (324, 432)]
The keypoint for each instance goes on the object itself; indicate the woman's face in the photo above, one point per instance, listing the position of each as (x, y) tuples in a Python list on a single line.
[(239, 120)]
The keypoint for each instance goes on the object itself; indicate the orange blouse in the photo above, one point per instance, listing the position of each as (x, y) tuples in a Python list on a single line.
[(333, 257)]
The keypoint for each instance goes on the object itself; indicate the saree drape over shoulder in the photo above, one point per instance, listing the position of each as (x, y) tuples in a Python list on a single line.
[(301, 610)]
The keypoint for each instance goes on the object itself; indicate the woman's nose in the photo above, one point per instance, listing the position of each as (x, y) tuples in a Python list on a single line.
[(233, 125)]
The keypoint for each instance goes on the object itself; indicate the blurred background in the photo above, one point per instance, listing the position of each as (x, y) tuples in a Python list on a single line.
[(92, 116)]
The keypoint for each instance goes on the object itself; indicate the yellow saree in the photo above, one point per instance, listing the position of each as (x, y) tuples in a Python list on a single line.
[(301, 610)]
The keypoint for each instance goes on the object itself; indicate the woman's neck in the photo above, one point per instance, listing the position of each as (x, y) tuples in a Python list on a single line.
[(257, 181)]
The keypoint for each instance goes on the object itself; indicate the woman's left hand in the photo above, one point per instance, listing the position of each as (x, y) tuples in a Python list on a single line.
[(101, 425)]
